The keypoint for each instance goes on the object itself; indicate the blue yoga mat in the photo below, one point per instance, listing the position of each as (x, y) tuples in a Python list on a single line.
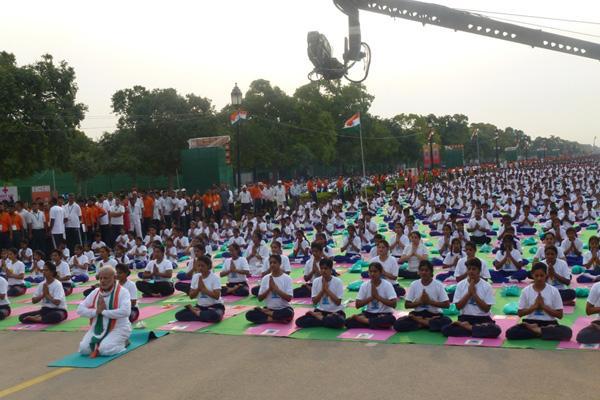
[(76, 360)]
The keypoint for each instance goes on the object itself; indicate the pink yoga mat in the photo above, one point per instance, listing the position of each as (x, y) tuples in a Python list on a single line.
[(568, 309), (298, 280), (504, 322), (279, 330), (23, 310), (40, 327), (306, 300), (367, 334), (151, 300), (151, 311), (579, 324), (231, 298), (74, 302)]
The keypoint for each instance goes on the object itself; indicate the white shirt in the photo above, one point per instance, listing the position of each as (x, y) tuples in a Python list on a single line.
[(390, 266), (274, 301), (593, 297), (484, 291), (285, 264), (397, 248), (355, 242), (63, 270), (509, 266), (560, 268), (37, 219), (484, 227), (57, 213), (117, 209), (541, 253), (385, 290), (16, 268), (3, 290), (566, 245), (130, 287), (163, 266), (83, 260), (336, 286), (103, 220), (461, 268), (56, 292), (551, 297), (73, 215), (435, 290), (413, 262), (241, 264), (212, 282)]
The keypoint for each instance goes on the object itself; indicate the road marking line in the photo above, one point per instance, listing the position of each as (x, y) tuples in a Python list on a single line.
[(33, 381)]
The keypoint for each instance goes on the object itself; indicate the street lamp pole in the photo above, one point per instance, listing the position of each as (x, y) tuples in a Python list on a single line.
[(430, 125), (497, 159), (236, 100)]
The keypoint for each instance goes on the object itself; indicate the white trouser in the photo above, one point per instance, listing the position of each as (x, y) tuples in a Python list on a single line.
[(112, 344)]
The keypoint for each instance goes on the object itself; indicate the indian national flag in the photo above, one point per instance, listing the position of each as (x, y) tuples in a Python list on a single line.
[(236, 116), (353, 122)]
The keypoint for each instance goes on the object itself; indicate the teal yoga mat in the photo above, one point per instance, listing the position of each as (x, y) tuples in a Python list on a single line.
[(76, 360)]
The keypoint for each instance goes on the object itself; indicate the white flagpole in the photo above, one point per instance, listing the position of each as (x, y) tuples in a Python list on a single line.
[(362, 153)]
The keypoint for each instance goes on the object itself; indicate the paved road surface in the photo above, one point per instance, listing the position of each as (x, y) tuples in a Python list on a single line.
[(194, 366)]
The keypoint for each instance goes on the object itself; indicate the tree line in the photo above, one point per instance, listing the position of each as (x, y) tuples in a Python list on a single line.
[(296, 134)]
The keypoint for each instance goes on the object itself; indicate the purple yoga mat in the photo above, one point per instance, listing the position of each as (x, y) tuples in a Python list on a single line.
[(40, 327), (579, 324), (367, 334), (504, 322), (275, 329)]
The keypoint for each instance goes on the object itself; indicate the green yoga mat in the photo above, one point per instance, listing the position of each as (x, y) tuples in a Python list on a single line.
[(77, 360)]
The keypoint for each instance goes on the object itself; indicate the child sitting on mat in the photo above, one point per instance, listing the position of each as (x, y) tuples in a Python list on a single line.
[(311, 271), (14, 270), (591, 262), (4, 302), (327, 293), (51, 295), (276, 291), (474, 297), (206, 289), (285, 264), (236, 270), (390, 266), (541, 306), (427, 297), (413, 255), (122, 275), (63, 271), (380, 299)]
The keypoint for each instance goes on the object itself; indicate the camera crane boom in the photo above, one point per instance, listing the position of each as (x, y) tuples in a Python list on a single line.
[(328, 67)]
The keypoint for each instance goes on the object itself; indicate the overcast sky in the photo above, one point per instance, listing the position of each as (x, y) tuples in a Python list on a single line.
[(204, 47)]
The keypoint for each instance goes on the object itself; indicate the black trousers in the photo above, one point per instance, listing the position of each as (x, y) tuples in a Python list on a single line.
[(212, 313), (258, 316), (49, 315), (482, 327), (551, 330), (38, 240), (73, 238), (333, 320), (148, 289)]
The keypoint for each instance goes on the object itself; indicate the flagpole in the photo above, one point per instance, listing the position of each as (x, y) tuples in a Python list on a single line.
[(362, 154)]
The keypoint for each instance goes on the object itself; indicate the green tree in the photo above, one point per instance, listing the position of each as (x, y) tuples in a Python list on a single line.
[(39, 115)]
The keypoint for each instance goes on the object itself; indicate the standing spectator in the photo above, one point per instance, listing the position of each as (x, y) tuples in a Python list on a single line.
[(37, 228), (279, 194), (245, 200), (117, 212), (148, 213), (57, 222), (73, 222)]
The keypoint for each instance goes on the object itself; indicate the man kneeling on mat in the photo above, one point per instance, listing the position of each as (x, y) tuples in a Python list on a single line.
[(474, 298), (542, 306), (108, 307), (206, 289), (327, 292), (276, 290), (427, 296)]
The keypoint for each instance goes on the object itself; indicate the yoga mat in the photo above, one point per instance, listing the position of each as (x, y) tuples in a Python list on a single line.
[(151, 300), (76, 360), (40, 327), (503, 322), (579, 324), (276, 329), (151, 311), (367, 334), (305, 300), (74, 302), (15, 312), (568, 309), (193, 326), (231, 298)]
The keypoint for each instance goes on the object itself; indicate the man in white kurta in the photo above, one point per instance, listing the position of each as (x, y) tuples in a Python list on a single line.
[(108, 307)]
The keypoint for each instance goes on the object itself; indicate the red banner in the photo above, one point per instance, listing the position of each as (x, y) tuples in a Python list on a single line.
[(436, 154), (426, 157)]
